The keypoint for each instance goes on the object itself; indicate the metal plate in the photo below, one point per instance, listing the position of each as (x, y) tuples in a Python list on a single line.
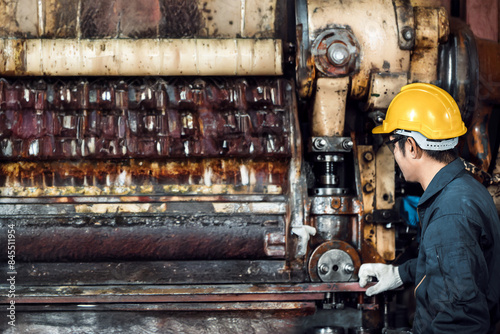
[(318, 258), (335, 266)]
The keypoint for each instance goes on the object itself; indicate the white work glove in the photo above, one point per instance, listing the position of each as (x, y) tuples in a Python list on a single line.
[(387, 275)]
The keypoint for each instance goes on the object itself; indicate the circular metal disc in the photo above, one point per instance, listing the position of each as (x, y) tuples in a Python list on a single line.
[(335, 265)]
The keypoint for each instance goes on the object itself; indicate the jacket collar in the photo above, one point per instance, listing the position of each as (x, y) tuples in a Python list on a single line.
[(441, 179)]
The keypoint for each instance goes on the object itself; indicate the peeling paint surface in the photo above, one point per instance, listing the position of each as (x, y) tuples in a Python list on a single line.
[(140, 19)]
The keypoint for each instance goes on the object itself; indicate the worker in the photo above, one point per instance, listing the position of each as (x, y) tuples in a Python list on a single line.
[(457, 271)]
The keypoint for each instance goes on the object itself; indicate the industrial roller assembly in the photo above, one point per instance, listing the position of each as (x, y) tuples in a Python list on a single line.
[(208, 166)]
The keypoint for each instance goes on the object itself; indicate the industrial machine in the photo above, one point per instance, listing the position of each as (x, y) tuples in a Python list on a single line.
[(208, 166)]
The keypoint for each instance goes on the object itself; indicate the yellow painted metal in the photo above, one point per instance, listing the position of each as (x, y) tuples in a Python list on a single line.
[(329, 106), (432, 27), (373, 174), (384, 87), (375, 28), (384, 200)]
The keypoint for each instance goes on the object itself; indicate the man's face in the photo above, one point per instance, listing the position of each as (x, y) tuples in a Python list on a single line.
[(404, 161)]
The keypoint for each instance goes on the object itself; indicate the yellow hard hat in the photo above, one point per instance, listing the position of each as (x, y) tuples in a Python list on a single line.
[(424, 108)]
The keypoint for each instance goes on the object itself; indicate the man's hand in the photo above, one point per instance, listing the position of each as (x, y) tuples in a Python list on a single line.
[(387, 275)]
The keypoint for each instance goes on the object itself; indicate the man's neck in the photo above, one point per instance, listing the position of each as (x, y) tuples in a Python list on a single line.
[(430, 168)]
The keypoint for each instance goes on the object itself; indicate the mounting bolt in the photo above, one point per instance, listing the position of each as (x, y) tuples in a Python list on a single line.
[(320, 143), (368, 188), (349, 268), (347, 144), (338, 54), (407, 33), (368, 156), (323, 269), (336, 203)]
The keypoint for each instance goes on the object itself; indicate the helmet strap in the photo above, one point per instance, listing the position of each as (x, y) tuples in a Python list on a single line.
[(429, 144)]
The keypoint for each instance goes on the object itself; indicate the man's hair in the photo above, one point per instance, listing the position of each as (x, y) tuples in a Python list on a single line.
[(446, 156)]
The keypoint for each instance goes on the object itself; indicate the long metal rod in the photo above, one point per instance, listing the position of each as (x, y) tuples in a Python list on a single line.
[(178, 293), (257, 306)]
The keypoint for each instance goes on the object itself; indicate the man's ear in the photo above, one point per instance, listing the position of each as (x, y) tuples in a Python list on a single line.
[(413, 149)]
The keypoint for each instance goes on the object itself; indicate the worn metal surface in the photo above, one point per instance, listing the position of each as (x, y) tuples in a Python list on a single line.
[(385, 197), (157, 272), (88, 167), (142, 19), (145, 118), (336, 52), (478, 138), (432, 27), (146, 237), (384, 87), (184, 307), (317, 257), (374, 26), (179, 293), (305, 71), (118, 57), (405, 23), (232, 124), (143, 177), (329, 107), (384, 182), (459, 70), (341, 205), (376, 167), (179, 196), (342, 215), (159, 321)]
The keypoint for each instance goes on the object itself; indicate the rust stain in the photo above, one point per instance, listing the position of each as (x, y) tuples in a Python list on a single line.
[(150, 119), (139, 177), (181, 19), (142, 236), (477, 137)]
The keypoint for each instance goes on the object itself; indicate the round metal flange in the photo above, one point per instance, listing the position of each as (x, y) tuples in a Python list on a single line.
[(336, 52), (334, 261), (335, 266)]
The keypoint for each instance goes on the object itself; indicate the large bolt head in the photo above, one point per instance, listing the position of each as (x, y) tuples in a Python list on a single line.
[(320, 143), (349, 268), (338, 54), (324, 269), (368, 156), (407, 33)]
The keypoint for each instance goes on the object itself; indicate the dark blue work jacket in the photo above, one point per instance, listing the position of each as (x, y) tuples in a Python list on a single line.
[(457, 272)]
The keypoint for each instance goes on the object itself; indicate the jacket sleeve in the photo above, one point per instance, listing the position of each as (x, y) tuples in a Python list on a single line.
[(456, 280), (407, 271)]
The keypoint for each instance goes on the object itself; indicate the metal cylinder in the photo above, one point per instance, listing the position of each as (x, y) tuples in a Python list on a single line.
[(331, 227)]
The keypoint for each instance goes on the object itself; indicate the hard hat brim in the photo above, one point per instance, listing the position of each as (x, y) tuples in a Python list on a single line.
[(380, 130)]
